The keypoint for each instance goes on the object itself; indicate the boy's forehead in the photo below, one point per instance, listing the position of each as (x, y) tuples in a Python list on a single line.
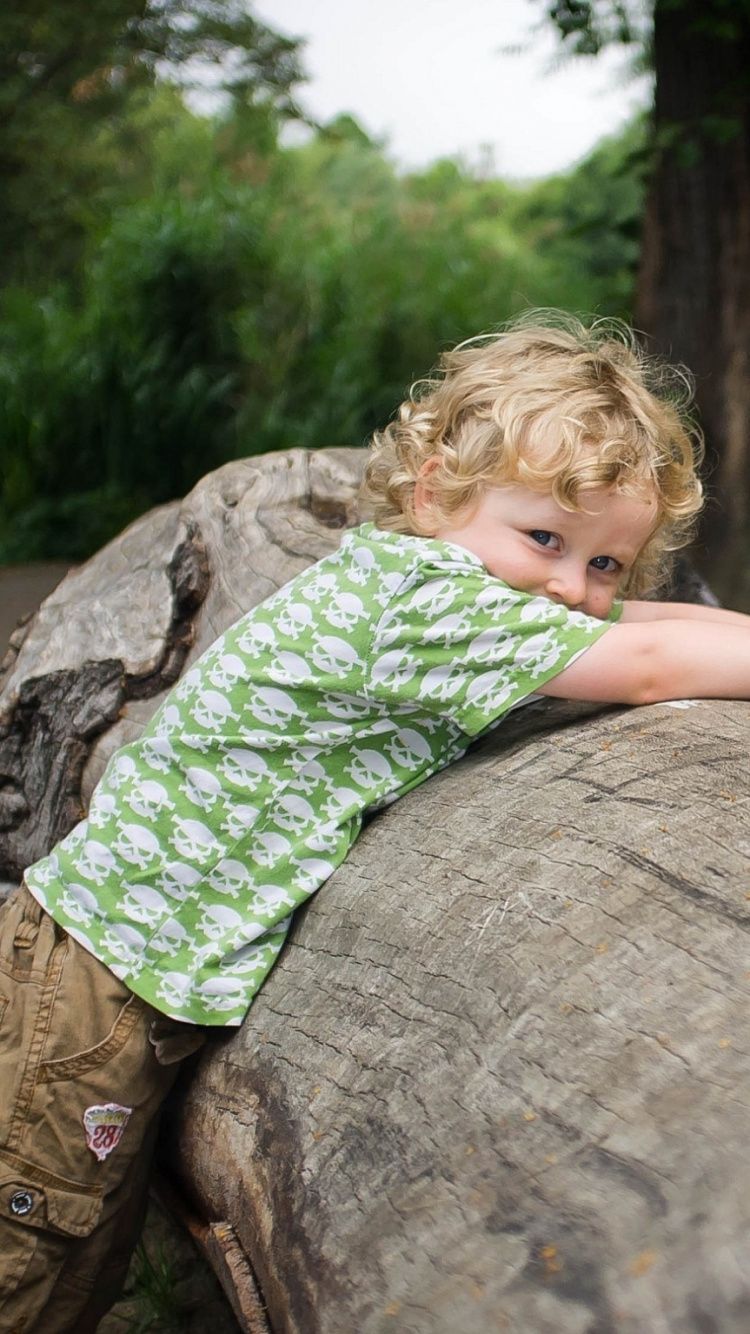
[(632, 513)]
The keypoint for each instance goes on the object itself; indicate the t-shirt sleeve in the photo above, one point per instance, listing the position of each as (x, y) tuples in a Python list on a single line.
[(469, 648)]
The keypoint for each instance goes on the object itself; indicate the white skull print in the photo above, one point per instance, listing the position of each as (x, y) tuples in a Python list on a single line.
[(194, 840), (170, 939), (251, 958), (121, 769), (202, 787), (96, 861), (149, 799), (311, 872), (230, 876), (213, 710), (178, 880), (363, 565), (269, 848), (256, 638), (492, 689), (289, 669), (144, 904), (432, 599), (243, 768), (369, 769), (102, 808), (334, 656), (449, 629), (79, 903), (444, 682), (169, 720), (346, 612), (394, 669), (272, 707), (292, 813), (158, 753), (539, 653), (222, 993), (126, 945), (308, 777), (539, 610), (137, 845), (239, 819), (269, 898), (226, 671), (490, 643), (294, 619), (174, 990), (217, 919), (409, 749)]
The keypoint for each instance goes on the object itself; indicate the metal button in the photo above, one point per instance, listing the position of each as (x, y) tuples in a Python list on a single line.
[(21, 1203)]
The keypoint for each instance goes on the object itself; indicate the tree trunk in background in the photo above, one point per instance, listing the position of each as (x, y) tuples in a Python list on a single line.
[(694, 287)]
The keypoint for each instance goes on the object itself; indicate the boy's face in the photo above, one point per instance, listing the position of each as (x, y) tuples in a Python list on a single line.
[(580, 559)]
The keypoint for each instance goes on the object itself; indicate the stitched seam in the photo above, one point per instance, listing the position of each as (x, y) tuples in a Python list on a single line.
[(40, 1177), (47, 999), (69, 1067)]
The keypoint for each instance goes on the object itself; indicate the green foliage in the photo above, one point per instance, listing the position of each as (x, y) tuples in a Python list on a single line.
[(588, 224), (235, 297), (123, 400), (586, 26), (68, 75)]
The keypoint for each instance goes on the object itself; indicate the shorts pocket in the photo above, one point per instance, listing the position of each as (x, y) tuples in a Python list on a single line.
[(34, 1198), (92, 1058)]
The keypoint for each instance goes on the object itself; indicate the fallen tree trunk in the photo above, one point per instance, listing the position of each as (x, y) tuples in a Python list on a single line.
[(500, 1078)]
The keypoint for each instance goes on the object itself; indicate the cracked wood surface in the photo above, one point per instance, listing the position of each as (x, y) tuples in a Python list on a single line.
[(500, 1078)]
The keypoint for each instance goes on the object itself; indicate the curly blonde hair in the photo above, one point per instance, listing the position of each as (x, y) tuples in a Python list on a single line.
[(553, 404)]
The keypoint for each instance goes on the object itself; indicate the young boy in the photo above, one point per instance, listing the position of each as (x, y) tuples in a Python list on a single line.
[(539, 479)]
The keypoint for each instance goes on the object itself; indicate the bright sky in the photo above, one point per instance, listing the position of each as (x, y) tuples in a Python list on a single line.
[(432, 77)]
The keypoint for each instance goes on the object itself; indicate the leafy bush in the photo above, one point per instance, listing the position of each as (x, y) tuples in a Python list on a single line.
[(254, 300)]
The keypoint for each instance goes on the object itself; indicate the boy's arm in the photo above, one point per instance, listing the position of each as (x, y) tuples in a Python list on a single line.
[(680, 611), (646, 660)]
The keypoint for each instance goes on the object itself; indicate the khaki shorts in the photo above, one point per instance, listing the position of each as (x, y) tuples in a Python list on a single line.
[(84, 1068)]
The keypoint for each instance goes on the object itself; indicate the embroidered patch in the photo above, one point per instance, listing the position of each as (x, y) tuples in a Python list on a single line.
[(104, 1125)]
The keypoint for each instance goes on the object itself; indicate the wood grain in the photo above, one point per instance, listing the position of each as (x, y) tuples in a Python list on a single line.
[(500, 1078)]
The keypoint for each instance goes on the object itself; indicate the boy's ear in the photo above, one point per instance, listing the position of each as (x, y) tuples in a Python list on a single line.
[(423, 495)]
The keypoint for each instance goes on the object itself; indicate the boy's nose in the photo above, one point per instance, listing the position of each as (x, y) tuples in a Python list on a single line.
[(568, 586)]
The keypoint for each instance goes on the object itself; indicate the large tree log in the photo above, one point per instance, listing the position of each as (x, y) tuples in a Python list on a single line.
[(499, 1079)]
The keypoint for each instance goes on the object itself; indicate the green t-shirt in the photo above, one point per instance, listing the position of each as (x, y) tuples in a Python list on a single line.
[(355, 682)]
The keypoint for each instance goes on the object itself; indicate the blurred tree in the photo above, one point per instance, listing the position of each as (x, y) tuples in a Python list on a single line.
[(588, 223), (694, 283), (258, 299), (68, 70)]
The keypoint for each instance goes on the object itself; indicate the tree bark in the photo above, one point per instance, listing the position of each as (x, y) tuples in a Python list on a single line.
[(694, 285), (500, 1077)]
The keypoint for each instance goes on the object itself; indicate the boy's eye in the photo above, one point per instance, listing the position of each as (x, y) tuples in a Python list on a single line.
[(607, 564), (544, 538)]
